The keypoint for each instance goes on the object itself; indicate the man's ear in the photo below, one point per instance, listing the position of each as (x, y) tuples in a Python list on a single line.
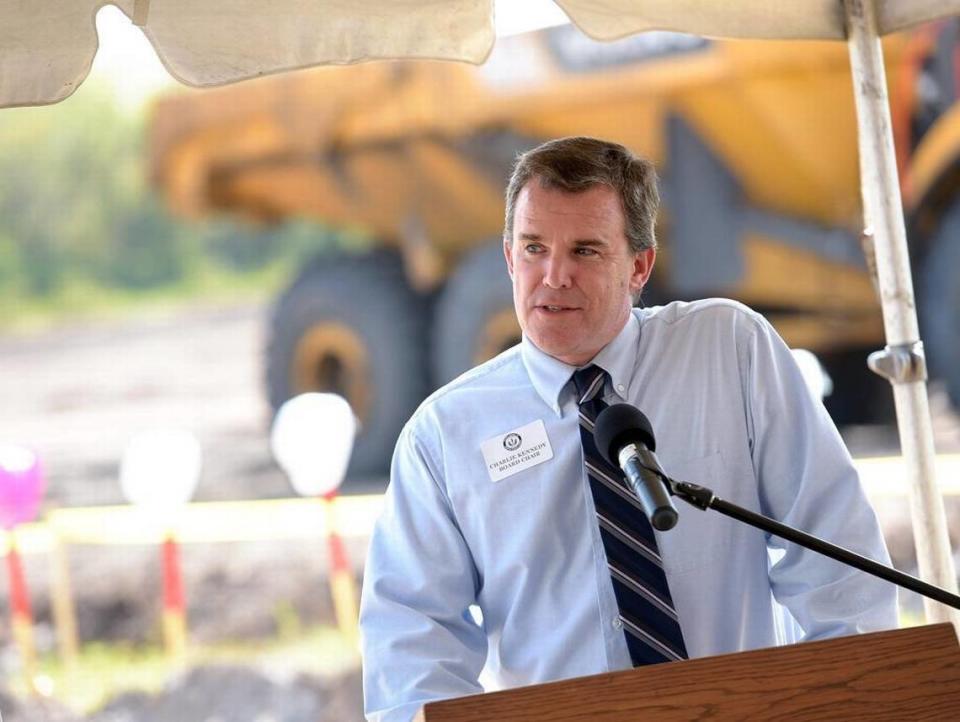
[(508, 254), (642, 268)]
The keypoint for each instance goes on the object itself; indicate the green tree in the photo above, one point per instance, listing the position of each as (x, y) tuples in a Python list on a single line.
[(76, 207)]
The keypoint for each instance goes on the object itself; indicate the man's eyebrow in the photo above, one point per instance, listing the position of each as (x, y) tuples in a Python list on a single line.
[(579, 243)]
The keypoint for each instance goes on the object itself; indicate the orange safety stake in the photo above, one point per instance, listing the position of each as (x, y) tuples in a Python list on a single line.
[(21, 616), (343, 587), (21, 489), (174, 600), (311, 439)]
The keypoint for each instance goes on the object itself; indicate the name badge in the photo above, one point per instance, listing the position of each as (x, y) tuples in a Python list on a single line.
[(516, 450)]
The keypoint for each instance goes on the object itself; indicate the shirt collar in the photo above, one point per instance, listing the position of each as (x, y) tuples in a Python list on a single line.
[(550, 376)]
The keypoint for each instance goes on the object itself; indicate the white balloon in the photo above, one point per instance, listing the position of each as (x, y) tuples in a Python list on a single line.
[(814, 374), (16, 459), (160, 469), (312, 438)]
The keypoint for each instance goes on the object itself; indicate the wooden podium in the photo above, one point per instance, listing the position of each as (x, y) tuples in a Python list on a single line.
[(899, 675)]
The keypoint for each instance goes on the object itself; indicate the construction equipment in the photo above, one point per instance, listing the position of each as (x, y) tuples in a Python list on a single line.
[(755, 142)]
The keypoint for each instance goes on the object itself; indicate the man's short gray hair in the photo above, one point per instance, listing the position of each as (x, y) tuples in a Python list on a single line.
[(577, 163)]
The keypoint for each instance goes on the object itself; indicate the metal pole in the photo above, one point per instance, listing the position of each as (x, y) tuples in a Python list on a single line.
[(902, 362), (704, 498)]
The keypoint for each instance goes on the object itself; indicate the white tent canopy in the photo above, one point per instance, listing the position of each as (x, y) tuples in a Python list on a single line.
[(48, 46)]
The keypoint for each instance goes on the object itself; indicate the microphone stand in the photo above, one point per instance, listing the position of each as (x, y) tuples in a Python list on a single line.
[(704, 499)]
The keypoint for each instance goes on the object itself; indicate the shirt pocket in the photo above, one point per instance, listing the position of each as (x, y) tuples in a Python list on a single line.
[(701, 537)]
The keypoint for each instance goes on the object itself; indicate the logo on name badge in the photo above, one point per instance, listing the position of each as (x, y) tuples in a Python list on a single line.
[(506, 454), (511, 442)]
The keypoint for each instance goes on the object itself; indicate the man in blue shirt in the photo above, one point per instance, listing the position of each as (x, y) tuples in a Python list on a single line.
[(488, 558)]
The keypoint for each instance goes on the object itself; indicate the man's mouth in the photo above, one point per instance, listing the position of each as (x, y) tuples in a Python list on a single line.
[(550, 308)]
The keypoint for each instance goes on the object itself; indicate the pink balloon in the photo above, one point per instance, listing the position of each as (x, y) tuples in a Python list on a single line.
[(21, 485)]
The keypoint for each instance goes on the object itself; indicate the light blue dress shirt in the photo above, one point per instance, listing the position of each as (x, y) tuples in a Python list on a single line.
[(730, 411)]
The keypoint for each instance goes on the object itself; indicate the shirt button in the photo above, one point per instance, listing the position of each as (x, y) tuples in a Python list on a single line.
[(617, 624), (620, 388)]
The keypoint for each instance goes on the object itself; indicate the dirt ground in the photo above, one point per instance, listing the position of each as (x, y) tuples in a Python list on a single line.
[(77, 394)]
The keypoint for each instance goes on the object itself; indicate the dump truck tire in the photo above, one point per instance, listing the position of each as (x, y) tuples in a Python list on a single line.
[(352, 325), (474, 318), (939, 303)]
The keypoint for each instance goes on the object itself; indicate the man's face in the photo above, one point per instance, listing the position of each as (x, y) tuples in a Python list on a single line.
[(573, 272)]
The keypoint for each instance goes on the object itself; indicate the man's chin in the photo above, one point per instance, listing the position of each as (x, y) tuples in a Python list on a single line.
[(563, 347)]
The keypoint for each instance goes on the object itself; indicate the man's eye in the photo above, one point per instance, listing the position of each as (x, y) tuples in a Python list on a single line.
[(586, 251), (533, 248)]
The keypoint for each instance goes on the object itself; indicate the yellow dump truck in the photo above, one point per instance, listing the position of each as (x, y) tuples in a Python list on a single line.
[(756, 146)]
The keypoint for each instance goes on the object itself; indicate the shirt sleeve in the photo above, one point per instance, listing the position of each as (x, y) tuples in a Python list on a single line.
[(807, 480), (419, 641)]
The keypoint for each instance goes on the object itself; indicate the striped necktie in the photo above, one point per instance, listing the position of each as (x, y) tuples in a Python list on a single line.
[(646, 609)]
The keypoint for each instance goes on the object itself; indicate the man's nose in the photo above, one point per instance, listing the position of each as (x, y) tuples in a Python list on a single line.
[(558, 272)]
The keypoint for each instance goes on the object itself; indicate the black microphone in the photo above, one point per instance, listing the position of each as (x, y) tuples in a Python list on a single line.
[(625, 439)]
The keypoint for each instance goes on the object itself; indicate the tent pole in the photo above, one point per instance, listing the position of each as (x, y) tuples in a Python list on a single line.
[(902, 361)]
